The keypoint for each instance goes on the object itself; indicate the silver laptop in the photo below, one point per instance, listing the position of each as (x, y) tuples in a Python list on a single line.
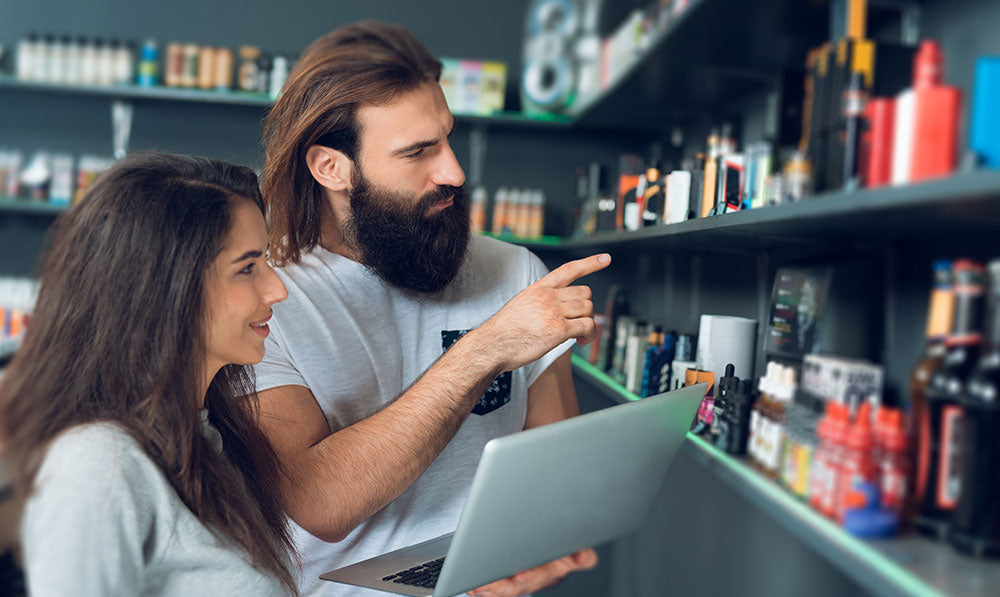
[(541, 494)]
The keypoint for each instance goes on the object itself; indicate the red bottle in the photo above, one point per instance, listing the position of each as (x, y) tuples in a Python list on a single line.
[(926, 128), (893, 463), (857, 466), (825, 471)]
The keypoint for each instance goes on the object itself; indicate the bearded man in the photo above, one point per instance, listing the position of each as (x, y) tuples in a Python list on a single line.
[(405, 344)]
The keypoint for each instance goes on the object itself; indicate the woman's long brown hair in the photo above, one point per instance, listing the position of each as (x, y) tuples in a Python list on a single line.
[(366, 63), (118, 334)]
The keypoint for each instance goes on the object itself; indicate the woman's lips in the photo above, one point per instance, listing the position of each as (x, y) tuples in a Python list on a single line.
[(261, 326)]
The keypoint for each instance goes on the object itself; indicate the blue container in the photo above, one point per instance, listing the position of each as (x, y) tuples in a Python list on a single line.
[(147, 74), (984, 137)]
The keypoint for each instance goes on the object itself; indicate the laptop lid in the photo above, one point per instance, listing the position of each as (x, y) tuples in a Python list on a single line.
[(546, 492)]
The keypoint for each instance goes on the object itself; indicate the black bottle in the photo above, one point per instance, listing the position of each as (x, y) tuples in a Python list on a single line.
[(976, 522), (944, 411)]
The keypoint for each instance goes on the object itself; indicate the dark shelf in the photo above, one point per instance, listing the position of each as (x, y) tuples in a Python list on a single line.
[(259, 101), (907, 565), (710, 55), (535, 242), (19, 205), (962, 207)]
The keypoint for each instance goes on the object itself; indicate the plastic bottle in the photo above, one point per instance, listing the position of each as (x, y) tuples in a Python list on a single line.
[(279, 72), (857, 466), (892, 459), (500, 210), (825, 472), (88, 63), (783, 394), (206, 67), (148, 71), (124, 63), (223, 69), (478, 208), (759, 418), (27, 49)]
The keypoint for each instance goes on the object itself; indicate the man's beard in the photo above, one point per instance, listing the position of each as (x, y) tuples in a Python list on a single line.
[(400, 242)]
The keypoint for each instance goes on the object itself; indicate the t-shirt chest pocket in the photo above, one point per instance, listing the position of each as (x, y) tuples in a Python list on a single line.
[(498, 394)]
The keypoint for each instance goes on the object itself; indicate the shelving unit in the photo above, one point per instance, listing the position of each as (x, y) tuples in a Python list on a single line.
[(908, 565), (710, 54), (258, 101), (961, 206)]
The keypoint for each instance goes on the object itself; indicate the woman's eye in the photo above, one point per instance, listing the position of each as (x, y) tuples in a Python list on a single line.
[(248, 269)]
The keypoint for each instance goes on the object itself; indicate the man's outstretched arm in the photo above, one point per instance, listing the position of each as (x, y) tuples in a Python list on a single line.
[(337, 480)]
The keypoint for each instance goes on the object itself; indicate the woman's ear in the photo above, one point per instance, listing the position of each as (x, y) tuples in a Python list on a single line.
[(329, 167)]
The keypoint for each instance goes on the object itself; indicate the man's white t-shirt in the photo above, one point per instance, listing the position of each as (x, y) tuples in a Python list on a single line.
[(357, 343)]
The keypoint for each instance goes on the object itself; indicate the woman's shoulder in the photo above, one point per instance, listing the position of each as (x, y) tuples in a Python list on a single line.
[(99, 459), (101, 444)]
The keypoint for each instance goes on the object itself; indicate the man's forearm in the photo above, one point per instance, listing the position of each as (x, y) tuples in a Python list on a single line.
[(356, 471)]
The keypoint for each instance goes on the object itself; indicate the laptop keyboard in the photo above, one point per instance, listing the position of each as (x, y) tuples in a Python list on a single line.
[(425, 575)]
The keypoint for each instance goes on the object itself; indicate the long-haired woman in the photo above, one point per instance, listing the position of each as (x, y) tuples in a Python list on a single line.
[(124, 417)]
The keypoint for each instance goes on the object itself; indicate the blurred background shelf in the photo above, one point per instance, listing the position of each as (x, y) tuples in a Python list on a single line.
[(18, 205), (712, 53), (247, 99), (908, 565), (962, 207)]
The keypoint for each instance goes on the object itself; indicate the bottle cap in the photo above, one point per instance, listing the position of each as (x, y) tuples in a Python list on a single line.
[(928, 65), (860, 435), (871, 523)]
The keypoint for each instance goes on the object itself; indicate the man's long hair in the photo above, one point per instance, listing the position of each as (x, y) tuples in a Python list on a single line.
[(118, 335), (367, 63)]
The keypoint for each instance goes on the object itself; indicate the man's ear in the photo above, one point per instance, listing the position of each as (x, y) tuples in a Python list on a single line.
[(330, 168)]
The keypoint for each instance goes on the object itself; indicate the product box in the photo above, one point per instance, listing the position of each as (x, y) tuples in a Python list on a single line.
[(449, 82), (493, 88), (470, 77), (847, 381)]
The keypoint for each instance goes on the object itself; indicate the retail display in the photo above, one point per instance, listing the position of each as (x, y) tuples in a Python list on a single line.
[(55, 178)]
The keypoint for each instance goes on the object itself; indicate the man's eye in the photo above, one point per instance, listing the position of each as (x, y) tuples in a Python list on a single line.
[(415, 154), (248, 269)]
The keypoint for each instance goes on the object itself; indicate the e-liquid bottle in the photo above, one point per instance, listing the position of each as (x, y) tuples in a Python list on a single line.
[(825, 472), (947, 386), (892, 459), (760, 419), (858, 468), (976, 522)]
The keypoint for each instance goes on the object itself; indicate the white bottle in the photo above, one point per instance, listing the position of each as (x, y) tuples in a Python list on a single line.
[(106, 63), (57, 59), (43, 60), (88, 63), (72, 71), (124, 64), (279, 72), (27, 50)]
